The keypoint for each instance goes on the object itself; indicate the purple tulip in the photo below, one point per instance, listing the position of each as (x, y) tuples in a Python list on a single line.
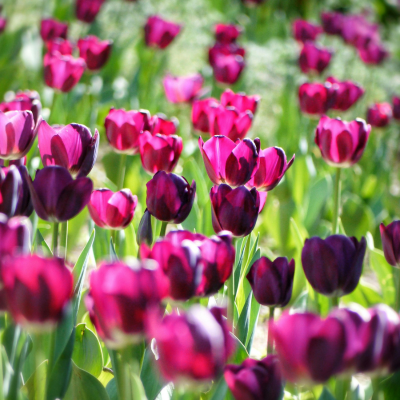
[(272, 281), (230, 162), (373, 53), (56, 196), (234, 210), (94, 51), (201, 110), (333, 265), (379, 115), (170, 197), (28, 100), (341, 143), (3, 24), (227, 33), (240, 101), (395, 107), (63, 46), (304, 31), (359, 32), (15, 236), (391, 242), (87, 10), (332, 22), (347, 94), (72, 147), (255, 379), (182, 89), (51, 28), (314, 58), (159, 32), (317, 98)]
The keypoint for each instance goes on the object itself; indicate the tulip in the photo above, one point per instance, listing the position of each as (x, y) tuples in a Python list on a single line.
[(94, 51), (379, 114), (272, 168), (201, 110), (63, 46), (332, 22), (304, 31), (112, 210), (373, 53), (28, 100), (86, 10), (391, 242), (62, 72), (159, 152), (56, 196), (347, 94), (395, 107), (316, 98), (160, 124), (3, 24), (227, 33), (182, 89), (272, 281), (359, 32), (191, 345), (234, 210), (72, 147), (17, 134), (123, 129), (159, 32), (333, 265), (170, 197), (341, 143), (15, 236), (255, 379), (51, 28), (230, 162), (37, 290), (120, 297), (145, 230), (240, 101), (314, 58)]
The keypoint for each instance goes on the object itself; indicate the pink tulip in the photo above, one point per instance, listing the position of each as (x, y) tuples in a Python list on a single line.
[(347, 93), (240, 101), (27, 100), (227, 33), (159, 32), (201, 110), (87, 10), (304, 31), (182, 89), (160, 124), (379, 115), (63, 46), (317, 98), (94, 51), (51, 28), (314, 58)]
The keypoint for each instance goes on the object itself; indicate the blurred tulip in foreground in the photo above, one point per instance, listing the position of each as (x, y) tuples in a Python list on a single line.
[(182, 89), (159, 32), (94, 51), (87, 10), (379, 115), (314, 58), (390, 235), (63, 46), (51, 28), (316, 98), (240, 101), (28, 100), (227, 33), (347, 94), (304, 31), (15, 236)]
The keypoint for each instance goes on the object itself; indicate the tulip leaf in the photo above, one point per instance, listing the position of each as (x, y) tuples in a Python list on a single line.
[(35, 386), (391, 387), (241, 353), (254, 313), (112, 390), (80, 267), (244, 320), (41, 247), (150, 375), (87, 351), (113, 253), (220, 389), (326, 395)]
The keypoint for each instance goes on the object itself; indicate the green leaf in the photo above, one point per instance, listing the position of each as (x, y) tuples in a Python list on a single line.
[(220, 390), (41, 246), (244, 320), (112, 390), (35, 387), (254, 313), (241, 353), (326, 395), (150, 375)]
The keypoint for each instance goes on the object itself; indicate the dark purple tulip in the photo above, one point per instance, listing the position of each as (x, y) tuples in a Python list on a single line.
[(332, 22), (373, 53), (316, 98), (87, 10), (379, 115), (170, 197), (159, 32), (94, 51), (120, 297), (17, 134), (314, 58), (396, 107), (227, 33), (51, 28), (391, 242), (255, 379), (341, 143), (28, 100), (56, 196), (144, 233), (234, 210), (240, 101), (72, 147), (347, 94), (304, 31), (272, 281), (63, 46), (333, 265), (230, 162)]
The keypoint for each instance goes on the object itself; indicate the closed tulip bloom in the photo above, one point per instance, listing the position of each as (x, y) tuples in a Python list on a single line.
[(374, 53), (67, 197), (395, 107), (240, 101), (159, 32), (124, 127), (3, 24), (379, 115), (15, 236), (87, 10), (314, 58), (317, 98), (112, 210), (193, 345), (160, 124), (201, 110), (94, 51), (28, 100), (159, 152), (272, 281), (62, 72), (272, 168), (51, 28), (347, 94), (333, 266), (226, 50), (230, 162), (72, 147), (17, 134), (304, 31), (37, 290), (63, 46), (170, 197), (391, 242), (332, 22), (182, 89), (255, 379), (120, 297), (227, 33), (341, 143), (234, 210)]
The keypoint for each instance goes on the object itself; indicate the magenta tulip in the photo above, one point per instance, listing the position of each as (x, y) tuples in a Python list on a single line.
[(227, 33), (240, 101), (304, 31), (159, 32), (359, 32), (395, 107), (201, 111), (373, 53), (347, 93), (94, 51), (28, 100), (63, 46), (314, 58), (15, 236), (379, 115), (390, 236), (51, 28), (87, 10), (332, 22), (3, 24), (182, 89), (160, 124), (317, 98)]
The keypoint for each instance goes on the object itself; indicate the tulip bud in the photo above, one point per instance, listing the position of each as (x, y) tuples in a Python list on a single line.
[(37, 290), (201, 110), (72, 147), (182, 89), (341, 143), (395, 107), (227, 33), (94, 51), (316, 98), (272, 281), (333, 265), (145, 230), (255, 379), (304, 31), (347, 94), (67, 197), (391, 242), (87, 10), (120, 297), (240, 101), (159, 32), (191, 345), (123, 129), (170, 197), (314, 58), (28, 100), (234, 210), (332, 22), (379, 115), (51, 28), (160, 124)]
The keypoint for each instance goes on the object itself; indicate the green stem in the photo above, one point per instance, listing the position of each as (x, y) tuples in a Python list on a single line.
[(121, 172), (64, 240), (121, 375), (270, 345), (163, 228), (336, 207), (54, 242), (335, 302)]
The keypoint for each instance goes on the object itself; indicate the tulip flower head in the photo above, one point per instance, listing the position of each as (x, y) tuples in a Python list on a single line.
[(87, 10), (227, 33), (3, 24), (347, 94), (28, 100), (15, 236), (379, 115), (160, 33), (395, 107), (63, 46), (240, 101), (317, 98), (160, 124), (332, 22), (390, 235), (51, 28), (182, 89), (314, 58), (201, 113), (94, 51), (374, 53), (304, 31)]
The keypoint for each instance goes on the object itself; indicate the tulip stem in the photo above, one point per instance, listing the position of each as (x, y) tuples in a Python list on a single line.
[(270, 345), (335, 302), (54, 242), (336, 207), (64, 239), (121, 172), (163, 228)]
